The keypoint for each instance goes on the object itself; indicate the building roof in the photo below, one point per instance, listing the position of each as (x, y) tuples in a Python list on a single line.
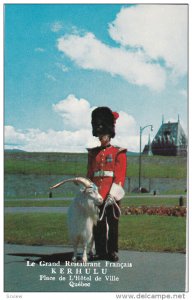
[(171, 133), (170, 140)]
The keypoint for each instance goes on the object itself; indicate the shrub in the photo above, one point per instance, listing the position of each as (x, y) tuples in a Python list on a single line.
[(175, 211)]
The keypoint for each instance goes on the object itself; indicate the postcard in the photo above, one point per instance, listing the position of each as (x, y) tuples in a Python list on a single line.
[(95, 149)]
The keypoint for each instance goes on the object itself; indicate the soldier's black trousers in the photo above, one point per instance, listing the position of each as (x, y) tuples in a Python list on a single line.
[(106, 237)]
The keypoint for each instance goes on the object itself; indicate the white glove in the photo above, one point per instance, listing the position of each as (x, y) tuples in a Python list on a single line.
[(110, 200), (117, 191)]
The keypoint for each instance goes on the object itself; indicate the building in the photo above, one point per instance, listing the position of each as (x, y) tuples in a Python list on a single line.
[(147, 150), (170, 140)]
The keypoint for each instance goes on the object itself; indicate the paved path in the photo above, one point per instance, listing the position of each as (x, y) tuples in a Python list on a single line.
[(144, 272), (62, 209), (35, 209), (38, 199)]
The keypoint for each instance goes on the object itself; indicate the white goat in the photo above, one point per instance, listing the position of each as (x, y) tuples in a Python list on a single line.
[(82, 214)]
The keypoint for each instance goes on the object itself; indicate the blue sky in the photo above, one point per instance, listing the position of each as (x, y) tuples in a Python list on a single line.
[(63, 60)]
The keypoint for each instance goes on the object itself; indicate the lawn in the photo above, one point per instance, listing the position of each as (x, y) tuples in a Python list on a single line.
[(140, 233), (127, 201), (153, 233), (152, 201), (136, 232), (76, 164), (13, 166), (37, 203)]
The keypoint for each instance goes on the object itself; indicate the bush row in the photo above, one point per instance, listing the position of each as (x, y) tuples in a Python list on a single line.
[(175, 211)]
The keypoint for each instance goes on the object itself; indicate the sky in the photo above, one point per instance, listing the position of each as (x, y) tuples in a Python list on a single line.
[(63, 60)]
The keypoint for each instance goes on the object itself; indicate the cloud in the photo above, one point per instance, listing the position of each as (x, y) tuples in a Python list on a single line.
[(14, 137), (39, 50), (151, 45), (77, 133), (45, 141), (159, 30), (56, 26), (50, 77), (127, 132), (90, 53), (125, 124), (62, 67), (76, 113)]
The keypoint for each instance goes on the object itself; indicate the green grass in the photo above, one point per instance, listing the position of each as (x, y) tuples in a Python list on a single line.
[(76, 164), (153, 233), (141, 233), (25, 167), (55, 194), (36, 229), (70, 194), (151, 201), (37, 203), (169, 171), (175, 192)]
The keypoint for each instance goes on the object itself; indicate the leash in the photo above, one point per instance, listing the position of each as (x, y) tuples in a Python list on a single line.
[(114, 204), (119, 210)]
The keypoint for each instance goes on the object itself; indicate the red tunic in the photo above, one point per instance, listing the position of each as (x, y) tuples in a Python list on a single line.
[(111, 159)]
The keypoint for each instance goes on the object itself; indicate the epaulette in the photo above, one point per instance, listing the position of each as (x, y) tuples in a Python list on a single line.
[(121, 149)]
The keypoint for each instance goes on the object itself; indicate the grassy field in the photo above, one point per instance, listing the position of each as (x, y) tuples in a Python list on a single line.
[(76, 164), (153, 233), (141, 233), (137, 232), (131, 201), (44, 168), (37, 203)]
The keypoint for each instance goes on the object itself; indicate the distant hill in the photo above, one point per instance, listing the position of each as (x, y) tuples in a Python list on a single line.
[(129, 153), (13, 150)]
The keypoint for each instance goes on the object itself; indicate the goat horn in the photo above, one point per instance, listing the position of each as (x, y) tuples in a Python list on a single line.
[(85, 181)]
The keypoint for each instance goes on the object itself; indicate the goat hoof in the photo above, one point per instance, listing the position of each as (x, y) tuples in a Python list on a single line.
[(91, 255), (74, 259)]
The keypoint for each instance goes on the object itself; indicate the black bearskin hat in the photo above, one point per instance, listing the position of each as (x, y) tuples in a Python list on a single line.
[(103, 121)]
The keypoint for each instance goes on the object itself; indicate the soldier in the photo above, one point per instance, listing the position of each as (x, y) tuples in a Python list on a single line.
[(107, 169)]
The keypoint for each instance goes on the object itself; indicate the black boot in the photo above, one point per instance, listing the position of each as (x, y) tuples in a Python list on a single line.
[(113, 257)]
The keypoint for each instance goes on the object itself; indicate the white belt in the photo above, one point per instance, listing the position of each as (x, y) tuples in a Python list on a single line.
[(103, 173)]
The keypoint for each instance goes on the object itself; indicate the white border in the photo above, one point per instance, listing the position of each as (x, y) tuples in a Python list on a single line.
[(75, 295)]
